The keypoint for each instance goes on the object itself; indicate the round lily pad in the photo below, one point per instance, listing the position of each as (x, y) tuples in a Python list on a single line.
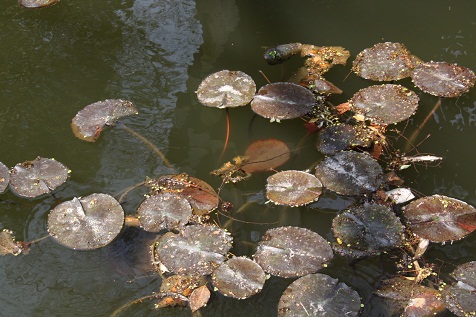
[(439, 218), (384, 62), (385, 104), (318, 295), (265, 155), (292, 252), (278, 101), (226, 89), (460, 298), (34, 178), (339, 137), (195, 250), (37, 3), (443, 79), (88, 123), (293, 188), (164, 211), (86, 223), (350, 173), (367, 230), (4, 177), (280, 53), (239, 277)]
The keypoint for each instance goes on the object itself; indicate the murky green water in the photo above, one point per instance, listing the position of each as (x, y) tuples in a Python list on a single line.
[(55, 61)]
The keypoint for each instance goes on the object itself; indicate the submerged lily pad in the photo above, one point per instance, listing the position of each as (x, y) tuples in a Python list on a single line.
[(86, 223), (350, 173), (239, 277), (4, 177), (265, 155), (225, 89), (460, 298), (318, 295), (164, 211), (8, 245), (339, 137), (384, 62), (89, 122), (37, 3), (195, 250), (278, 101), (293, 188), (292, 252), (439, 218), (34, 178), (367, 230), (443, 79), (385, 104)]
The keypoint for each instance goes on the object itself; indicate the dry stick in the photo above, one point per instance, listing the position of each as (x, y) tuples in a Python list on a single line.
[(412, 138)]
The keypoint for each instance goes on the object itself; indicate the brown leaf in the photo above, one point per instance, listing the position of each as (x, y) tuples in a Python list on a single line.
[(199, 298)]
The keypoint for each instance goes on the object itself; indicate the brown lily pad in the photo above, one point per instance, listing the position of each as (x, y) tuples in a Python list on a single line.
[(37, 3), (265, 155), (4, 177)]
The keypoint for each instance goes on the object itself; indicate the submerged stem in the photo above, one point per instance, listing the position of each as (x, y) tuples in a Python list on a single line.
[(412, 138), (227, 137)]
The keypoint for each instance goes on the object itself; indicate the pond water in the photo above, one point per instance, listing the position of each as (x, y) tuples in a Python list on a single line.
[(57, 60)]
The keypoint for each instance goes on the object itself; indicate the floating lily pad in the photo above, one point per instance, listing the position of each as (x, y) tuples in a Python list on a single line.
[(292, 252), (439, 218), (164, 211), (239, 277), (384, 62), (89, 122), (265, 155), (38, 177), (350, 173), (466, 273), (367, 230), (318, 295), (281, 100), (37, 3), (8, 245), (280, 53), (195, 250), (460, 298), (443, 79), (4, 177), (293, 188), (342, 136), (385, 104), (86, 223), (199, 298), (225, 89)]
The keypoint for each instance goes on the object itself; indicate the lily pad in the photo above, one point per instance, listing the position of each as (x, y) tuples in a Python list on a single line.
[(37, 3), (8, 245), (34, 178), (239, 277), (280, 53), (460, 298), (278, 101), (4, 177), (226, 89), (86, 223), (292, 252), (385, 104), (318, 295), (265, 155), (443, 79), (293, 188), (367, 230), (89, 122), (195, 250), (339, 137), (384, 62), (350, 173), (439, 218), (164, 211)]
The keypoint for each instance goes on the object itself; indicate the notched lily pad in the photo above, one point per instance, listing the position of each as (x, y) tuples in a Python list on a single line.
[(385, 104), (164, 211), (89, 122), (367, 230), (292, 252), (439, 218), (350, 173), (4, 177), (37, 3), (318, 295), (239, 277), (225, 89), (293, 188), (8, 245), (265, 155), (86, 223), (460, 298), (443, 79), (34, 178), (278, 101), (342, 136), (195, 250)]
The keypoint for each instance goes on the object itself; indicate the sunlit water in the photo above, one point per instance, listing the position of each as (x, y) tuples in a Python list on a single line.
[(57, 60)]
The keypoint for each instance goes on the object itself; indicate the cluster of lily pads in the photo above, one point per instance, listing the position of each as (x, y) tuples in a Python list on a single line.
[(192, 254)]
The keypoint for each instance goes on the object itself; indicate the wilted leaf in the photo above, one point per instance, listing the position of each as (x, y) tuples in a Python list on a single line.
[(199, 298), (38, 177), (89, 122), (265, 155), (225, 89), (180, 284), (37, 3), (86, 223), (4, 177), (292, 252), (8, 244)]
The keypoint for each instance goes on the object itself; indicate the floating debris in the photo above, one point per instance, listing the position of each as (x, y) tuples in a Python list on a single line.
[(8, 245), (265, 155), (400, 195), (199, 298), (4, 177)]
